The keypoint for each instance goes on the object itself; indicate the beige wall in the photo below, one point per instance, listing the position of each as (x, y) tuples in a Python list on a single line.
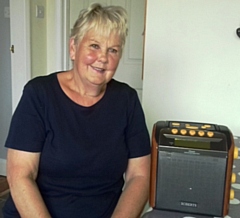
[(75, 7), (192, 62), (38, 38)]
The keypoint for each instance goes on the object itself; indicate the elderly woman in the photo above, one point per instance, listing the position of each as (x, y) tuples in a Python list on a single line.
[(78, 145)]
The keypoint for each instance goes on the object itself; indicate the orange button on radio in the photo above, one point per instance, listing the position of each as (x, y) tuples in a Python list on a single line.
[(176, 124), (201, 133), (174, 131), (192, 132), (234, 178), (235, 153), (232, 194), (210, 134), (206, 126), (183, 131)]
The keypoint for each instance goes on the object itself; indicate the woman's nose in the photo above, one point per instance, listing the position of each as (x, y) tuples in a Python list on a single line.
[(103, 57)]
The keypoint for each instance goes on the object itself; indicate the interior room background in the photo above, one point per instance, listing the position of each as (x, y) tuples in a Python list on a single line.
[(187, 68), (40, 32)]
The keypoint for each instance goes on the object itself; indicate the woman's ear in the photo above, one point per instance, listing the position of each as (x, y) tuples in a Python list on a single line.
[(72, 48)]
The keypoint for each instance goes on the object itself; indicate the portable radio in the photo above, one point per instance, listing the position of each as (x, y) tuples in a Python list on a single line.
[(191, 167)]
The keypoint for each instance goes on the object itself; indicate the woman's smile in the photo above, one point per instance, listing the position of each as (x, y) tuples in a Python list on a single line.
[(98, 69)]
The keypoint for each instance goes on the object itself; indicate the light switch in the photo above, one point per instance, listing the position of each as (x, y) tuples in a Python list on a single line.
[(39, 11)]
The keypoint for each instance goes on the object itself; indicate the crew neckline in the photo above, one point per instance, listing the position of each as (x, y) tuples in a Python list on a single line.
[(73, 102)]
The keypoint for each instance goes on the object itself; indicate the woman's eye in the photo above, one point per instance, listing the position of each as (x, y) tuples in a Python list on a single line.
[(112, 50), (95, 46)]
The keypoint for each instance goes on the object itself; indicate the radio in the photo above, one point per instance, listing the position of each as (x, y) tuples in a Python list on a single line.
[(191, 168)]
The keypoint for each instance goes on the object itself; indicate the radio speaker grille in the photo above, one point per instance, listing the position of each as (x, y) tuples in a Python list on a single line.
[(190, 183)]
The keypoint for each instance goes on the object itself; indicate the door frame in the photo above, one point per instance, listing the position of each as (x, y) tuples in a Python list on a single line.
[(58, 35)]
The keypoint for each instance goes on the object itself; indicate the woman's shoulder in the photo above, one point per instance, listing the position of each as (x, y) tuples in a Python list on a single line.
[(121, 86), (122, 91), (43, 79), (41, 83)]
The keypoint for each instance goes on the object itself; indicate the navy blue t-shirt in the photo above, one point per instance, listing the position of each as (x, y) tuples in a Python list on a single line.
[(84, 150)]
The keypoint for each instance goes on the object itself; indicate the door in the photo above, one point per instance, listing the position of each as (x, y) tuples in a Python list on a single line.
[(14, 67), (20, 39), (192, 62), (130, 67), (5, 80)]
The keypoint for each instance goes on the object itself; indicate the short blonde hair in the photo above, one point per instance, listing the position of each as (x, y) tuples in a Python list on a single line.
[(104, 20)]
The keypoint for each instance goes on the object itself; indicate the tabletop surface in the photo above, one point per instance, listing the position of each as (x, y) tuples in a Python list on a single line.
[(234, 211)]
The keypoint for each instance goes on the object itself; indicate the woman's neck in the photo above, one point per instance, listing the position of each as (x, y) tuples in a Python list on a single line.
[(85, 94), (87, 89)]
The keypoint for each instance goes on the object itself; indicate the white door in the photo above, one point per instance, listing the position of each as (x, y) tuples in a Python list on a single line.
[(130, 67), (5, 81), (192, 62), (20, 39), (17, 73)]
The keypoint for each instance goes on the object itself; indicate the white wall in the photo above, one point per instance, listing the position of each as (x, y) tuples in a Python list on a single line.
[(48, 39), (38, 39), (192, 62)]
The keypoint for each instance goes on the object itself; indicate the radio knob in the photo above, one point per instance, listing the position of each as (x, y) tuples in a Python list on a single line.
[(210, 134), (192, 132), (235, 153), (174, 131), (201, 133), (234, 178), (231, 194), (183, 131)]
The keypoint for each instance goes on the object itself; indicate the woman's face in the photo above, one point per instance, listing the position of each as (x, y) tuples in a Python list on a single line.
[(96, 57)]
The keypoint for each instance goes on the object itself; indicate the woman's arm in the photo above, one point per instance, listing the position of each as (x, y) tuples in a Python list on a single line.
[(135, 194), (22, 170)]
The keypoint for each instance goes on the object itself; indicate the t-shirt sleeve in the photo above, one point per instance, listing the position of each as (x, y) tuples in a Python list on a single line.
[(27, 132), (137, 136)]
